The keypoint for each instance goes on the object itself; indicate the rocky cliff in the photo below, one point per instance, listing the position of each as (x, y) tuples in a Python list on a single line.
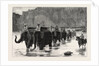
[(52, 16)]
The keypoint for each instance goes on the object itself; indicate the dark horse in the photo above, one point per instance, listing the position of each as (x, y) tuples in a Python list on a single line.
[(81, 42), (28, 37)]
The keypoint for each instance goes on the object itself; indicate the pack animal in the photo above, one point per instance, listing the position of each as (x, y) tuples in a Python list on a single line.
[(28, 37), (81, 42)]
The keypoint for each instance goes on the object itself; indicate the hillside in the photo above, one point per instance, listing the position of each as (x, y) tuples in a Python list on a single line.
[(52, 16), (15, 22)]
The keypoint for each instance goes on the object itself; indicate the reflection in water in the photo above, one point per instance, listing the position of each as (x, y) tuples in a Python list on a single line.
[(51, 53), (19, 53), (58, 51), (31, 54), (81, 51)]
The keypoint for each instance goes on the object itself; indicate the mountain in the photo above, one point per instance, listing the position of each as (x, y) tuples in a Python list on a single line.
[(52, 16), (15, 23)]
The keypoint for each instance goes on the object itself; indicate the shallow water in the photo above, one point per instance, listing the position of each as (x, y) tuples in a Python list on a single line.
[(19, 50)]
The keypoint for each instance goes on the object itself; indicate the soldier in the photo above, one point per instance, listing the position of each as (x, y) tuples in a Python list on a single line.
[(82, 36), (25, 28), (38, 27)]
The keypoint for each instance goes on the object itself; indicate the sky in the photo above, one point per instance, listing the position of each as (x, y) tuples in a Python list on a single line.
[(19, 10)]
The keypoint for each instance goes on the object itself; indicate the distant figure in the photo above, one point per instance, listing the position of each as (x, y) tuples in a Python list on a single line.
[(69, 35), (73, 33), (25, 28), (38, 27), (43, 25), (64, 34), (82, 36)]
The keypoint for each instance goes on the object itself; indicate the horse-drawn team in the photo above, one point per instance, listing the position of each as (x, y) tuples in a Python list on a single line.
[(42, 36)]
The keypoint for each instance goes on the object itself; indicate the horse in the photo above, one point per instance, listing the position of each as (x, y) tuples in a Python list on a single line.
[(81, 42)]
